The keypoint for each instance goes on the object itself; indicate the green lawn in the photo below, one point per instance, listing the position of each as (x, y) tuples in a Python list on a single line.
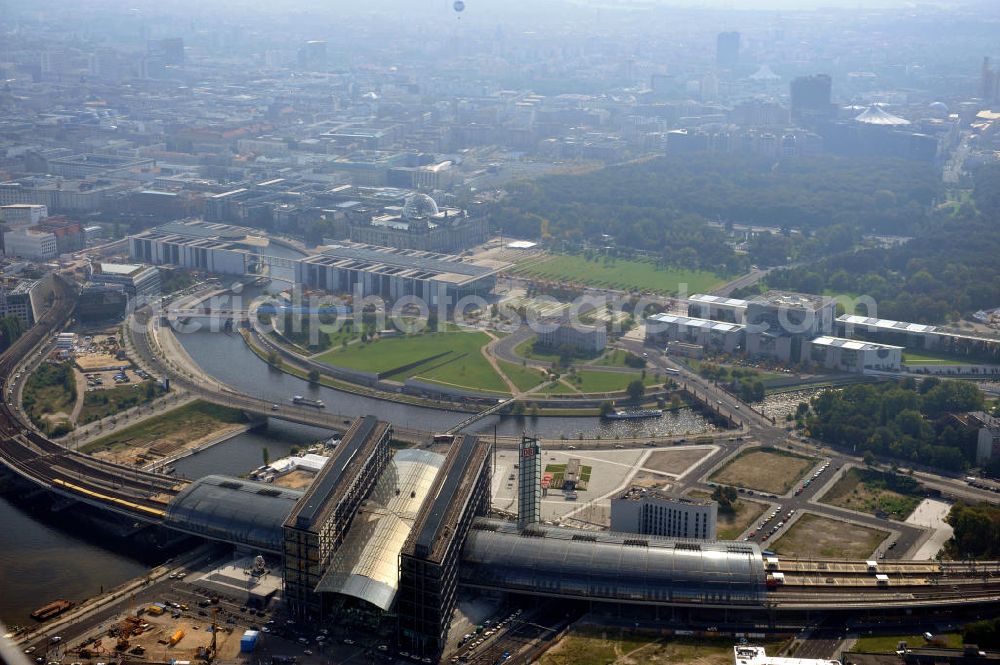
[(729, 526), (621, 274), (614, 358), (869, 492), (451, 358), (888, 643), (524, 378), (557, 471), (598, 645), (597, 381), (99, 404), (927, 358), (526, 349), (559, 388)]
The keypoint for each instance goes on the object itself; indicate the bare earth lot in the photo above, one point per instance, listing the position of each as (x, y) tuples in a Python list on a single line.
[(822, 537), (764, 470), (674, 461)]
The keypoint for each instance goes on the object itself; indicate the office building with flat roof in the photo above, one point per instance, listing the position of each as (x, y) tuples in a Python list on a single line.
[(201, 245), (318, 525), (17, 299), (717, 336), (141, 283), (430, 558), (395, 273), (778, 322), (849, 355), (23, 214), (652, 512), (588, 339), (717, 308), (31, 244), (750, 655)]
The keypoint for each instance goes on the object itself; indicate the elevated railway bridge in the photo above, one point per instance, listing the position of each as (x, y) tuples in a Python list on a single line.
[(595, 567), (27, 453)]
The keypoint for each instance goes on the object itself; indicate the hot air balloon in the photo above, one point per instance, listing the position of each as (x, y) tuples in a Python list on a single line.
[(459, 6)]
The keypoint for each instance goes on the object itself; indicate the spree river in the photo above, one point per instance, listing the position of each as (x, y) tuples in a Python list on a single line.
[(225, 357), (44, 555)]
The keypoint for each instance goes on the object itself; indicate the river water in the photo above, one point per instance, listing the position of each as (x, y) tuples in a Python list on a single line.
[(44, 556)]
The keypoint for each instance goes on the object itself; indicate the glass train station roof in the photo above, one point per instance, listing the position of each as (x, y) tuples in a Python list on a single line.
[(367, 564), (233, 510), (612, 566)]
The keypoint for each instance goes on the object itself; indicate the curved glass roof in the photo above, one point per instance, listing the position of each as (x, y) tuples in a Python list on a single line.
[(233, 510), (612, 566), (419, 205), (367, 564)]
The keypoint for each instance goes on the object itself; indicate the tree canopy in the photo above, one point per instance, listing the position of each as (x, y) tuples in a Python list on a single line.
[(662, 205), (950, 268), (900, 419)]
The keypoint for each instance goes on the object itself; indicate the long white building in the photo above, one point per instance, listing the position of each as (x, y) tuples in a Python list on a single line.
[(717, 308), (715, 335), (850, 355), (393, 273), (200, 245)]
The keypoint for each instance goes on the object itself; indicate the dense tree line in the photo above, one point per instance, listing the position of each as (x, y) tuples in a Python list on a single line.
[(742, 381), (984, 634), (662, 205), (950, 269), (977, 532), (899, 419)]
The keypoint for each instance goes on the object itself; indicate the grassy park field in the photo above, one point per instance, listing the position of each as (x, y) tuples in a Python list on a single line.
[(99, 404), (621, 274), (729, 526), (524, 378), (822, 537), (594, 645), (451, 358), (49, 395), (598, 381), (868, 492), (926, 358), (764, 470)]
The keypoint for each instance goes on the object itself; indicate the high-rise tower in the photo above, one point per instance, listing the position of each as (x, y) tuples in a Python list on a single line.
[(529, 485)]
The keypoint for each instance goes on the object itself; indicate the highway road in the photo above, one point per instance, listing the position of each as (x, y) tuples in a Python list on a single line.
[(763, 432)]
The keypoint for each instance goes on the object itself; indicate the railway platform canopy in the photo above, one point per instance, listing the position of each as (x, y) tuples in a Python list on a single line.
[(617, 567), (366, 566), (233, 510)]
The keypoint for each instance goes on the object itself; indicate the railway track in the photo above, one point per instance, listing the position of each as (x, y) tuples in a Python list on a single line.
[(46, 463)]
